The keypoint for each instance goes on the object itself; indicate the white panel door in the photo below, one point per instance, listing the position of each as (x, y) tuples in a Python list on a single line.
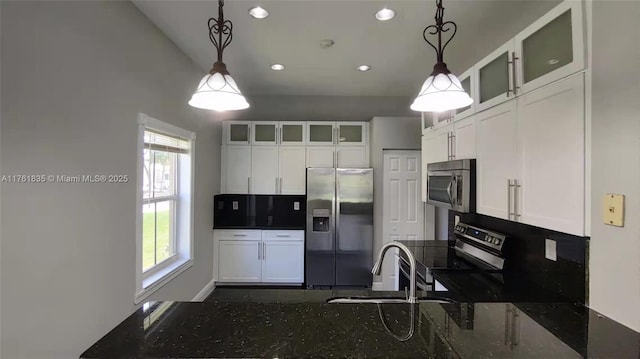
[(352, 157), (239, 261), (321, 156), (497, 160), (264, 170), (465, 138), (237, 169), (551, 132), (292, 170), (283, 261), (403, 209)]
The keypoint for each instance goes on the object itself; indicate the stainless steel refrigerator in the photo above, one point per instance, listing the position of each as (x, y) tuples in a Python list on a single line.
[(339, 244)]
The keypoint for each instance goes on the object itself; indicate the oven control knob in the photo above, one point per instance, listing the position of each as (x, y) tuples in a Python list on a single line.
[(497, 241)]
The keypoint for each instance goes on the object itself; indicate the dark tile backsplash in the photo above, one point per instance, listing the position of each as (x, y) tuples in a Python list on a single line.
[(259, 211), (525, 254)]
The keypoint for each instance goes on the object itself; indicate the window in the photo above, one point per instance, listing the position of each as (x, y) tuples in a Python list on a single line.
[(165, 198)]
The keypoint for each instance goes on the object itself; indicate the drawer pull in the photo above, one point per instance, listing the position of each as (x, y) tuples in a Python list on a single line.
[(239, 235), (283, 235)]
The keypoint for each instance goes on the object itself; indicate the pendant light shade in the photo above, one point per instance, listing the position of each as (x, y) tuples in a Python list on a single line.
[(442, 91), (217, 90)]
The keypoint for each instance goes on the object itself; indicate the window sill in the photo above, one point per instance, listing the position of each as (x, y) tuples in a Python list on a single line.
[(157, 280)]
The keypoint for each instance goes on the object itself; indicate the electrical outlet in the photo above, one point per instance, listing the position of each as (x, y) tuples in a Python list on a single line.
[(296, 206), (235, 205), (456, 219), (550, 249)]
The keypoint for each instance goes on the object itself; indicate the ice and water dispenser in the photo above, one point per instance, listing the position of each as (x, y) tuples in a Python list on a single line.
[(321, 219)]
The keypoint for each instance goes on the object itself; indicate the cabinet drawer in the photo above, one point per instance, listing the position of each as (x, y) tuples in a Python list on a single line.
[(238, 234), (290, 235)]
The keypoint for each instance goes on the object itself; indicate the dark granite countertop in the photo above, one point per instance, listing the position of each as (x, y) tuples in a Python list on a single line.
[(302, 328)]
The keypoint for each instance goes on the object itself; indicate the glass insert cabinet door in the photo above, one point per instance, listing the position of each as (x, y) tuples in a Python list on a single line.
[(350, 133), (292, 133), (264, 133), (494, 77), (552, 47), (321, 133), (467, 80), (237, 132)]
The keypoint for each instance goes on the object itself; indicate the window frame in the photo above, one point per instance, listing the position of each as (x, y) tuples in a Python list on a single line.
[(154, 278)]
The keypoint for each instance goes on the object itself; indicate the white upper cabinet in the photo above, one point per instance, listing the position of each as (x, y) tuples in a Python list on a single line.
[(237, 132), (552, 47), (464, 139), (551, 131), (321, 133), (494, 77), (497, 160), (264, 170), (425, 161), (352, 157), (264, 133), (321, 156), (437, 145), (468, 81), (292, 133), (292, 170), (236, 171), (351, 133)]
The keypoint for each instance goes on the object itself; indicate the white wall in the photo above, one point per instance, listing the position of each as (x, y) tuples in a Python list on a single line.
[(395, 133), (75, 76), (614, 256)]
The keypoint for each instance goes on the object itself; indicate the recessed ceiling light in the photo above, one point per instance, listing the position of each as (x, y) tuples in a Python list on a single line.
[(258, 12), (364, 68), (385, 14), (277, 67)]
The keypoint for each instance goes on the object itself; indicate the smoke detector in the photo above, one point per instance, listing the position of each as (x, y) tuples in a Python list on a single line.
[(327, 43)]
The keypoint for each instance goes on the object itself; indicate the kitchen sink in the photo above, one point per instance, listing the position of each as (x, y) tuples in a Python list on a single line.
[(383, 300)]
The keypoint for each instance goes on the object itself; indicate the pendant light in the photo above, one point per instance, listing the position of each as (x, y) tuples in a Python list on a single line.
[(442, 91), (217, 90)]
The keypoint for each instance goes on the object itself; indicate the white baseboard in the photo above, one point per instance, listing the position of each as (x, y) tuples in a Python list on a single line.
[(376, 286), (205, 292)]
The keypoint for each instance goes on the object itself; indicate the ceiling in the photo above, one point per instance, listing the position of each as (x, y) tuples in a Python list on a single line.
[(400, 59)]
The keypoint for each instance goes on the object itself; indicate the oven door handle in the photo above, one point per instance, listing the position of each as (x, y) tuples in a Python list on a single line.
[(453, 178)]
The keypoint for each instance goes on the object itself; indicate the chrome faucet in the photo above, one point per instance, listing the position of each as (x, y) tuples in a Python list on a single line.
[(412, 262)]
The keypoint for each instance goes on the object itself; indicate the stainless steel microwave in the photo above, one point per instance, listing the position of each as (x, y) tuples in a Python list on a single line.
[(452, 185)]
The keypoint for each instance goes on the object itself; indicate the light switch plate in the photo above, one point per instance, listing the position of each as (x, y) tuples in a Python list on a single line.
[(613, 209), (550, 250), (235, 205), (296, 206)]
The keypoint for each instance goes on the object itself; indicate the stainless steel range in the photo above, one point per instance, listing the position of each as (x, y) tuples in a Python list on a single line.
[(480, 246), (477, 253)]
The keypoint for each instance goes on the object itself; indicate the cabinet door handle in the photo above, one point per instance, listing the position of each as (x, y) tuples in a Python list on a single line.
[(337, 159), (509, 199), (516, 186), (259, 249), (264, 251), (249, 132), (513, 70), (248, 184), (280, 185), (453, 145)]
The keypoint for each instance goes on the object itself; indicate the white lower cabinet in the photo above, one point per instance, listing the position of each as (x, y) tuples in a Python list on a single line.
[(283, 261), (239, 261), (259, 256)]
